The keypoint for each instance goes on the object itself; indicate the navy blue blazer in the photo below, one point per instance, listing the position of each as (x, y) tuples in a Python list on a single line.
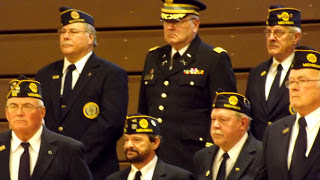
[(59, 157), (245, 167), (96, 113)]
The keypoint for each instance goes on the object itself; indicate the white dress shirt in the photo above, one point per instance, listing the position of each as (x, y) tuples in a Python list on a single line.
[(146, 172)]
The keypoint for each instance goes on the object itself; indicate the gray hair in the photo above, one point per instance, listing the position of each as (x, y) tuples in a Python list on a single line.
[(92, 30)]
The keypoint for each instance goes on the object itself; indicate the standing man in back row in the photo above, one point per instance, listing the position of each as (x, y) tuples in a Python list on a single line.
[(179, 82), (265, 89), (85, 96)]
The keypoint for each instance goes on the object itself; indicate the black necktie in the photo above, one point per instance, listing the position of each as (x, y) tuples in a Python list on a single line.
[(222, 170), (174, 59), (272, 99), (67, 89), (24, 167), (137, 176), (298, 155)]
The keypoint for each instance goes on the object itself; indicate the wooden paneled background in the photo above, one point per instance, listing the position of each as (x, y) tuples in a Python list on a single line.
[(126, 29)]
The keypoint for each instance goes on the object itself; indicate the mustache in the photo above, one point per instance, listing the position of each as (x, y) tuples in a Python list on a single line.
[(217, 132), (273, 44), (130, 149), (66, 43)]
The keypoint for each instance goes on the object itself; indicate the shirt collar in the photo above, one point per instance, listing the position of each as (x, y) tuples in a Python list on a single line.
[(79, 64), (181, 51), (34, 141), (312, 119), (148, 169), (285, 64)]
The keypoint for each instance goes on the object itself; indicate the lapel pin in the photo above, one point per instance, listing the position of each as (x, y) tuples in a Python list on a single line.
[(3, 147), (164, 62), (183, 62), (237, 169), (55, 77), (285, 131), (263, 73), (208, 173), (164, 56), (89, 74), (189, 55), (49, 152)]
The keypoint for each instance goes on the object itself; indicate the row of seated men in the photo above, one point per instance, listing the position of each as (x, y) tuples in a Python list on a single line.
[(86, 97)]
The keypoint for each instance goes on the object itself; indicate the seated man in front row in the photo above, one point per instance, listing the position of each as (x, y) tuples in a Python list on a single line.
[(142, 141), (29, 150), (235, 152)]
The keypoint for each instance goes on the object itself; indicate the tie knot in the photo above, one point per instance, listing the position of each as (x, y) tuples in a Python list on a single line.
[(176, 55), (302, 122), (225, 156), (71, 67), (279, 68), (137, 176), (25, 145)]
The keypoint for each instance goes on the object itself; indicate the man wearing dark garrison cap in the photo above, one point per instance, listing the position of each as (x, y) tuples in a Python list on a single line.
[(141, 143), (31, 151), (291, 145), (85, 96), (235, 152), (179, 82), (265, 88)]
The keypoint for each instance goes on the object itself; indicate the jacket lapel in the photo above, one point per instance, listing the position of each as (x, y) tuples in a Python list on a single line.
[(5, 155), (209, 163), (86, 75), (159, 171), (262, 84), (46, 154)]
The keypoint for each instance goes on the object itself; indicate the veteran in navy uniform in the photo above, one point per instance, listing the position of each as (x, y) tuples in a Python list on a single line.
[(142, 141), (265, 87), (29, 150), (291, 145), (86, 96), (179, 82), (230, 122)]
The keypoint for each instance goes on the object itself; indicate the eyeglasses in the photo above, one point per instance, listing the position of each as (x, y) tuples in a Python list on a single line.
[(278, 33), (12, 108), (177, 22), (71, 32), (300, 83)]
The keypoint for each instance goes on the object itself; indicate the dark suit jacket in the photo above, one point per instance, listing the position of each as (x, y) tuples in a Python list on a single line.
[(274, 164), (66, 162), (187, 98), (162, 171), (247, 161), (255, 92), (103, 84)]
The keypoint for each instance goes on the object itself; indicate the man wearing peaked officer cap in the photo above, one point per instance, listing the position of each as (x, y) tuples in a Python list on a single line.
[(86, 97), (179, 81), (291, 146), (29, 150), (266, 88), (235, 152), (142, 141)]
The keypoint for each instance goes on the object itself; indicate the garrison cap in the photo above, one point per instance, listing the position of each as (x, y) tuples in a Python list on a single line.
[(233, 101), (177, 9), (306, 57), (22, 87), (283, 16), (141, 124), (69, 16)]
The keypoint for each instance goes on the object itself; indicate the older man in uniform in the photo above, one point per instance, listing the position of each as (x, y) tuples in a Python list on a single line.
[(141, 143), (29, 150), (86, 96), (179, 82), (265, 88), (235, 153), (291, 145)]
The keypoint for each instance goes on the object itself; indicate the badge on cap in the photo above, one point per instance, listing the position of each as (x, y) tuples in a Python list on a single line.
[(91, 110)]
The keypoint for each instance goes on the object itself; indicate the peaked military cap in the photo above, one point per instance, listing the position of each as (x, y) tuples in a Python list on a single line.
[(178, 9), (69, 16), (306, 57), (284, 16), (141, 124), (22, 87), (233, 101)]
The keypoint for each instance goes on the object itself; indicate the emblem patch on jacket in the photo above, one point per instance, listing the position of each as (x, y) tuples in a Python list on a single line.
[(91, 110)]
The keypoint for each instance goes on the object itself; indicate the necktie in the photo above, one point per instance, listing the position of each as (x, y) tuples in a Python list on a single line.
[(222, 170), (24, 167), (298, 155), (67, 89), (274, 89), (174, 58), (137, 176)]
